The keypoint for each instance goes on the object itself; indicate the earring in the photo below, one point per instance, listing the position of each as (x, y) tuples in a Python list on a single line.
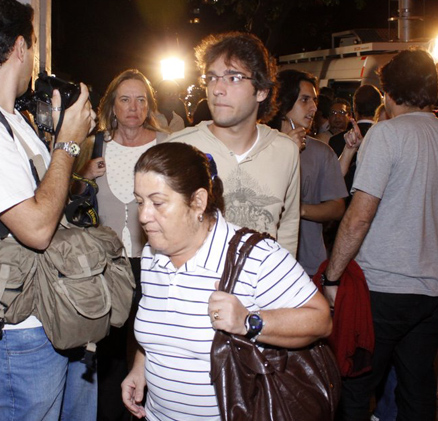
[(201, 217), (114, 123)]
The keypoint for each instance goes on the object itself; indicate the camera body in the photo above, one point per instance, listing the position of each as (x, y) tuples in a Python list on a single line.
[(39, 103)]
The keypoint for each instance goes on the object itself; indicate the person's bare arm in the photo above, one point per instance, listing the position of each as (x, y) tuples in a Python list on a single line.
[(353, 139), (346, 158), (285, 327), (352, 231), (34, 221), (133, 386), (331, 210)]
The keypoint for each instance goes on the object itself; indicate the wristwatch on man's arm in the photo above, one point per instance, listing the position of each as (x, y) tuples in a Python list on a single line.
[(72, 148), (326, 283)]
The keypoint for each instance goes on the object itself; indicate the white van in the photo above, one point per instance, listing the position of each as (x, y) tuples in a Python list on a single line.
[(346, 68)]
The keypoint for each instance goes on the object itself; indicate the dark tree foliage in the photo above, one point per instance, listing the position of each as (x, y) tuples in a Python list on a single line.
[(269, 18)]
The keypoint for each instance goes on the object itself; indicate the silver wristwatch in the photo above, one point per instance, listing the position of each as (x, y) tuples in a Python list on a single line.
[(72, 148)]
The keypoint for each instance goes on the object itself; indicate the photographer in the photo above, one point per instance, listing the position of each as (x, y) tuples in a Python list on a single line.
[(34, 377)]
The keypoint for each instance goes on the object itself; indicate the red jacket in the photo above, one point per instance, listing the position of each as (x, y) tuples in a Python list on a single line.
[(352, 338)]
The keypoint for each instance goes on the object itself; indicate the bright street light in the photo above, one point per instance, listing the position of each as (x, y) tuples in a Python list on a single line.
[(172, 68)]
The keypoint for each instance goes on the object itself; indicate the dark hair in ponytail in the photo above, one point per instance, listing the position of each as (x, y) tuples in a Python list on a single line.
[(186, 170)]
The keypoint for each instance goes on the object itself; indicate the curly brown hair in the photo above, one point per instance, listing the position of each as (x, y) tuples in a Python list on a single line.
[(249, 50), (410, 78)]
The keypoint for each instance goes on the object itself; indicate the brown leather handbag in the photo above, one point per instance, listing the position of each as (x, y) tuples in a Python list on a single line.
[(275, 384)]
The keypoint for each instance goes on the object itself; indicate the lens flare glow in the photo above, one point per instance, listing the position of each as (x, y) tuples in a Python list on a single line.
[(433, 49), (172, 68)]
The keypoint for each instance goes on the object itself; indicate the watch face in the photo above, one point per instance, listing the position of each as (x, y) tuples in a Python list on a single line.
[(255, 322), (75, 149)]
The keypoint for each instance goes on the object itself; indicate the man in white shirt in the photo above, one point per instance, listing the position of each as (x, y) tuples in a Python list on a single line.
[(32, 372)]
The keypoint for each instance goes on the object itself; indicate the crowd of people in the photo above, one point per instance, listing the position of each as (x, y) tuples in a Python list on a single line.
[(266, 149)]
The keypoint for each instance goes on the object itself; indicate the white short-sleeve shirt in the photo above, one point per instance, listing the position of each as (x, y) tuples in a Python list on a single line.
[(17, 183), (174, 327)]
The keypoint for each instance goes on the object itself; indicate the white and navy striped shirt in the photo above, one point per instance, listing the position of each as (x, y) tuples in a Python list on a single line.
[(173, 324)]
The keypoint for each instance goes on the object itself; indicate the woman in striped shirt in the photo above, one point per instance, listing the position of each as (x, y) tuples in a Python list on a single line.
[(180, 206)]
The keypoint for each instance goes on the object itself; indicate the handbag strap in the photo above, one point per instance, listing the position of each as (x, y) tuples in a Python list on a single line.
[(235, 261), (98, 145)]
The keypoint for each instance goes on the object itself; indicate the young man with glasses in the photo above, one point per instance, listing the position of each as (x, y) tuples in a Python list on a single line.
[(258, 166)]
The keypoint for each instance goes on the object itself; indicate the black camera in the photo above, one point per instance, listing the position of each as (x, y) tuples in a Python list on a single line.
[(38, 102)]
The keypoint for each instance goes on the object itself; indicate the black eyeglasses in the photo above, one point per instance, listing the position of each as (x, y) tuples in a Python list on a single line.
[(229, 79)]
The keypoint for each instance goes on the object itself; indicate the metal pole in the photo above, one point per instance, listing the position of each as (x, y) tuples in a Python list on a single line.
[(405, 21), (42, 24)]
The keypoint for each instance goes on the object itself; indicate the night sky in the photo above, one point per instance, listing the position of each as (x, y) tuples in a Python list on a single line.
[(95, 40)]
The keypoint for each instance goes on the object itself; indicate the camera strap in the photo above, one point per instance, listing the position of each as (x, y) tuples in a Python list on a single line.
[(60, 121), (81, 210), (6, 124), (37, 165), (4, 231), (98, 145)]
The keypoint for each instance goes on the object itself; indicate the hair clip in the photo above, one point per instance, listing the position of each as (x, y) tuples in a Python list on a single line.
[(213, 168)]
